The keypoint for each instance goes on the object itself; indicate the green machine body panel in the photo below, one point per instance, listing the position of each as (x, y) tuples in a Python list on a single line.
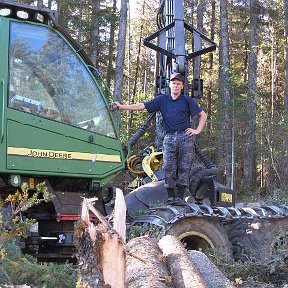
[(55, 120), (55, 126)]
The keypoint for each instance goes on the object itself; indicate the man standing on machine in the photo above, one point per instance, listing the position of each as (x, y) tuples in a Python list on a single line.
[(178, 146)]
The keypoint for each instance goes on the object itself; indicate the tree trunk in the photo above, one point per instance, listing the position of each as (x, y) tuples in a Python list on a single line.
[(63, 13), (101, 254), (250, 141), (120, 51), (129, 80), (145, 265), (136, 77), (94, 34), (286, 89), (212, 276), (211, 64), (137, 70), (111, 47), (79, 33), (184, 274), (197, 60), (224, 119)]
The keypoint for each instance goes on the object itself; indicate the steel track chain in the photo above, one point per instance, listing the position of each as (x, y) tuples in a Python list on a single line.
[(169, 214)]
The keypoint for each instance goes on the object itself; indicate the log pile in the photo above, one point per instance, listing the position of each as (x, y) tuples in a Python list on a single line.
[(106, 261)]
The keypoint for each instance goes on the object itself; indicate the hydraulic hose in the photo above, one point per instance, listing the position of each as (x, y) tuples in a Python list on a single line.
[(198, 176), (203, 157), (139, 133)]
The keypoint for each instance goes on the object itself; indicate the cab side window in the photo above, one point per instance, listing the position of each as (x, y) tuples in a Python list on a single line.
[(49, 80)]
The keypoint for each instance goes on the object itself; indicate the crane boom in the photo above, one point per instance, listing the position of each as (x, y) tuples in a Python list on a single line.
[(171, 46)]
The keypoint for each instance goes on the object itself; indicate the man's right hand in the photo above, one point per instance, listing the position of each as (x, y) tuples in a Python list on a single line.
[(115, 105), (132, 107)]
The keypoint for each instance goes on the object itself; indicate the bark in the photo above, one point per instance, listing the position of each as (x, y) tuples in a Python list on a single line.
[(120, 52), (245, 64), (286, 88), (211, 64), (197, 60), (137, 71), (145, 265), (250, 141), (111, 48), (63, 14), (184, 274), (101, 254), (273, 67), (94, 35), (79, 33), (212, 276), (224, 77), (224, 118), (129, 80)]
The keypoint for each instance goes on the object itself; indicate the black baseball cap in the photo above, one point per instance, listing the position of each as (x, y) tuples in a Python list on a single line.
[(177, 76)]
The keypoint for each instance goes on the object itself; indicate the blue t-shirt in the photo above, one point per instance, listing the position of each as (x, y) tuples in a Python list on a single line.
[(176, 113)]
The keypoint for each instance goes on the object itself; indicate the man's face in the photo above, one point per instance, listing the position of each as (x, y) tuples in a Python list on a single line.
[(176, 86)]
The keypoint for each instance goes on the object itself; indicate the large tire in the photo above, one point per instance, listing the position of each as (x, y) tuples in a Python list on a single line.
[(202, 234), (255, 239)]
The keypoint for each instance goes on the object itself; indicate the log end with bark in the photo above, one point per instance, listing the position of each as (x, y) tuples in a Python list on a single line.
[(145, 264)]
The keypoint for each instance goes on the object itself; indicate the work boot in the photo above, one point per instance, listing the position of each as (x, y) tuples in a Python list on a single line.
[(180, 192), (171, 195), (170, 200), (179, 201)]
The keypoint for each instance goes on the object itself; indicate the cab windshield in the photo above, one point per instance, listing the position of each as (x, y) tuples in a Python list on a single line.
[(48, 79)]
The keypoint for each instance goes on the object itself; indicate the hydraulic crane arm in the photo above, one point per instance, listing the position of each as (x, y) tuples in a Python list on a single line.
[(171, 43)]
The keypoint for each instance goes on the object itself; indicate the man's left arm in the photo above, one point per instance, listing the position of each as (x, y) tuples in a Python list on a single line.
[(202, 121)]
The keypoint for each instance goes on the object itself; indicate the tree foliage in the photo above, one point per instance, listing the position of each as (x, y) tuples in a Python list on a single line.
[(13, 225)]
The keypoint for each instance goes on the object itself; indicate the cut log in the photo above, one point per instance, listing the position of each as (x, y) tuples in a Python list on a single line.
[(101, 253), (209, 273), (119, 224), (184, 274), (145, 265)]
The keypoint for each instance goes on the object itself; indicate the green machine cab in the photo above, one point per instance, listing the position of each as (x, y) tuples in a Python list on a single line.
[(55, 121)]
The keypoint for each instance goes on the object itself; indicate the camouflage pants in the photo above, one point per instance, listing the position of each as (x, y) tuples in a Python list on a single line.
[(178, 154)]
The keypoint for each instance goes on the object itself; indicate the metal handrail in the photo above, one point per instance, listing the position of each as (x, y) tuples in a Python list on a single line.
[(3, 111), (109, 99)]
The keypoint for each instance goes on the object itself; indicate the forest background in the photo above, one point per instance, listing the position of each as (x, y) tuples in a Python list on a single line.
[(245, 79)]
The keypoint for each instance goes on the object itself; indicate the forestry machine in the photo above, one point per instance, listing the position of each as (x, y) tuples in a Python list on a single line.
[(208, 218), (56, 127)]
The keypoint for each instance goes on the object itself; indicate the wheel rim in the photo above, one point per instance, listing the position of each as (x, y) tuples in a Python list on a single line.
[(196, 241)]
